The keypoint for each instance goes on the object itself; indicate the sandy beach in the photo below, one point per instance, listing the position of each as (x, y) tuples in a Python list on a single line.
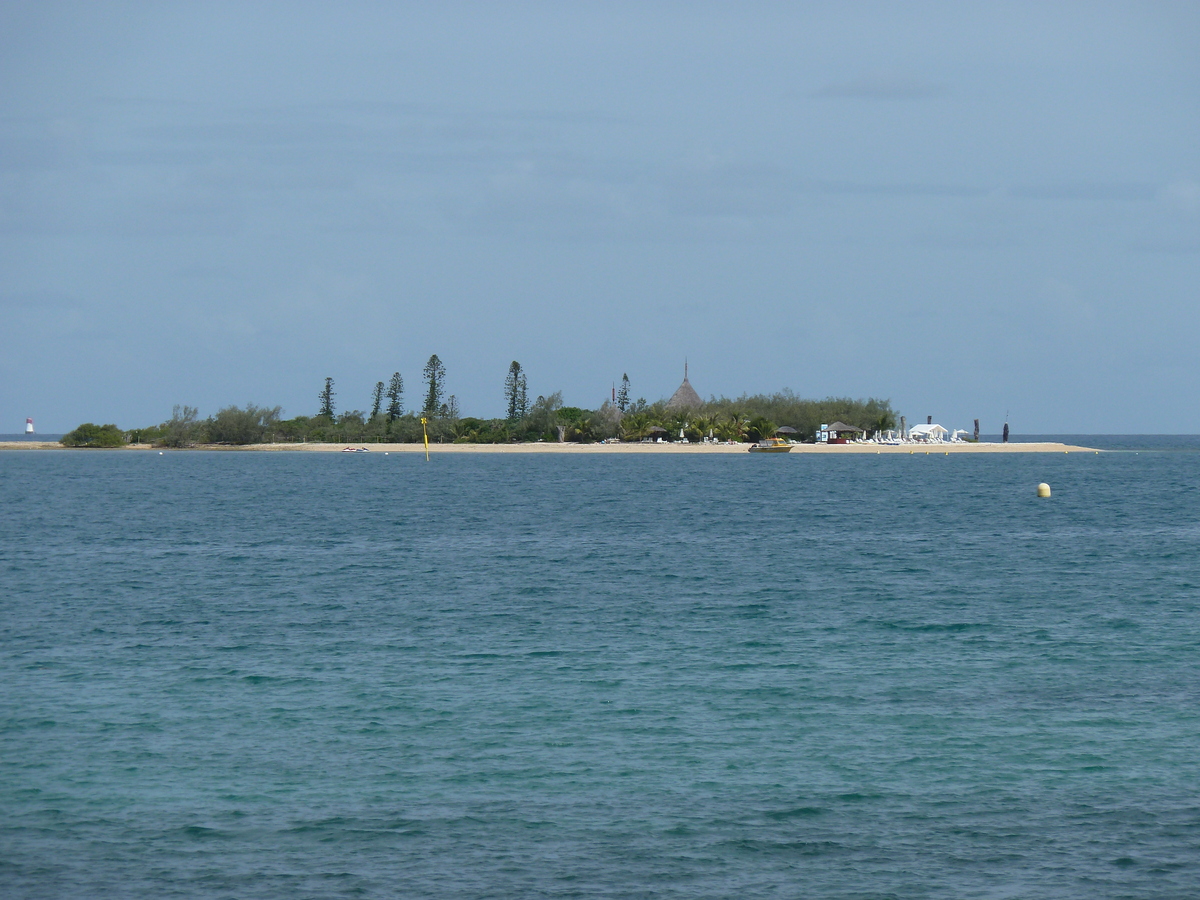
[(541, 447)]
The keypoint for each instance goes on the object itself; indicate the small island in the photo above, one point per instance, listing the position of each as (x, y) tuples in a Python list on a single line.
[(684, 422)]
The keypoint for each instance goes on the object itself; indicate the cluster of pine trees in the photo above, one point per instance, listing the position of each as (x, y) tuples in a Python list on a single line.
[(545, 418)]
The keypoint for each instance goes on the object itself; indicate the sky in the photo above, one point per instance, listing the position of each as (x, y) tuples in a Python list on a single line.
[(975, 210)]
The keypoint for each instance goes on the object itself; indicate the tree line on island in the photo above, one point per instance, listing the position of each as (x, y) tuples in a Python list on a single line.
[(746, 418)]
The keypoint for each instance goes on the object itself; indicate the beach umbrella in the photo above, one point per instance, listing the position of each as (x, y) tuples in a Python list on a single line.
[(786, 429)]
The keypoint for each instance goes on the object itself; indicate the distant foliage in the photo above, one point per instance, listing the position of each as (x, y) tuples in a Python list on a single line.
[(90, 435), (806, 416), (242, 426), (542, 421), (606, 421), (746, 418), (480, 431), (183, 429), (353, 425)]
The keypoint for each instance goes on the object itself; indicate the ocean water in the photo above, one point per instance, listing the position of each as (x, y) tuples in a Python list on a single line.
[(289, 675)]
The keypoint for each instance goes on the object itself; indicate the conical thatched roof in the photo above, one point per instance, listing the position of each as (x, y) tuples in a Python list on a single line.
[(685, 397)]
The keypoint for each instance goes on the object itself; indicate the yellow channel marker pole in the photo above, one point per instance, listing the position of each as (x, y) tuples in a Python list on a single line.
[(425, 432)]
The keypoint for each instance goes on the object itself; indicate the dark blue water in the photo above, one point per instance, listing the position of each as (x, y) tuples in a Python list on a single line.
[(282, 675)]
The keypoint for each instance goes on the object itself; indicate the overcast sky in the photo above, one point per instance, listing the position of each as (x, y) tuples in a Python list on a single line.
[(972, 209)]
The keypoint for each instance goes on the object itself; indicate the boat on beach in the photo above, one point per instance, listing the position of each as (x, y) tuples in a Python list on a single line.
[(771, 445)]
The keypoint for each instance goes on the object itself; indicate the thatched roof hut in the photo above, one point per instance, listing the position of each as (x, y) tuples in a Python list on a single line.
[(685, 397), (838, 427)]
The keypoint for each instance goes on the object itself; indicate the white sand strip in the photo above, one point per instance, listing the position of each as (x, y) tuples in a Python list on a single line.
[(540, 447)]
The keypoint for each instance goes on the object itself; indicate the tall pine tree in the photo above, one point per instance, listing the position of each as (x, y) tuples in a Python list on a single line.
[(623, 394), (326, 397), (516, 393), (435, 386), (395, 397), (377, 399)]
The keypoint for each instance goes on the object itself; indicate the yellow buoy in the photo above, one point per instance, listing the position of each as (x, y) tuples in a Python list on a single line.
[(1043, 490)]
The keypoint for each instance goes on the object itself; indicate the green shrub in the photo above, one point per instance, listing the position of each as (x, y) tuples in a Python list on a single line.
[(89, 435)]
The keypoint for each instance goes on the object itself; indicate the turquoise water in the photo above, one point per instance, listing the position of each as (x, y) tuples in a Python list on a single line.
[(324, 675)]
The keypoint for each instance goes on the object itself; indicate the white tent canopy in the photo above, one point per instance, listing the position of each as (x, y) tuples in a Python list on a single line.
[(927, 432)]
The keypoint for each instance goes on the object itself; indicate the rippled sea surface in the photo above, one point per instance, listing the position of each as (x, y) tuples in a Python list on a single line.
[(286, 675)]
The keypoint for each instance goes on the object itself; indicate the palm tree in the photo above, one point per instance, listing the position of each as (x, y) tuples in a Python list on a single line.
[(678, 422), (583, 428), (702, 424), (635, 426), (732, 428), (761, 428)]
